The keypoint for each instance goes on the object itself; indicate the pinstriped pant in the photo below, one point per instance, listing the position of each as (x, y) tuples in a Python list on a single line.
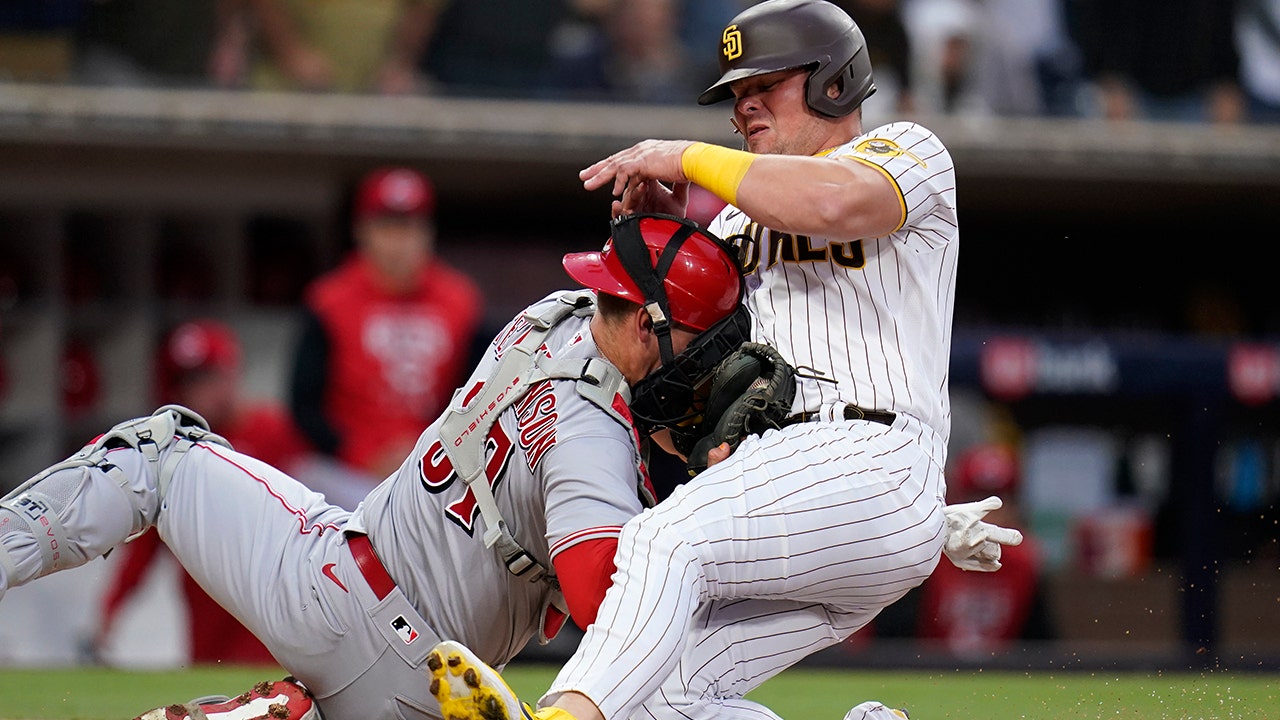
[(791, 545)]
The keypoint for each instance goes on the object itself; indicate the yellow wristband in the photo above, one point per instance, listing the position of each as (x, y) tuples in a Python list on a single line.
[(716, 168)]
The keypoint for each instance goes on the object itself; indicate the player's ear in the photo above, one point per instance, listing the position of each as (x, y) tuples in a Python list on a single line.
[(643, 327)]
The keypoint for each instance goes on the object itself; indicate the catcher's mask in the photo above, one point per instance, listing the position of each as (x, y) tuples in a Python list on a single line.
[(682, 275), (786, 34)]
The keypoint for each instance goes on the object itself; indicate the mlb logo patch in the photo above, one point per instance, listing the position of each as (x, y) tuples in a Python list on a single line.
[(404, 629)]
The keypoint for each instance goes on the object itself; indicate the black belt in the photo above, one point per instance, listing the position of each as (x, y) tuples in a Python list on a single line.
[(370, 566), (851, 412)]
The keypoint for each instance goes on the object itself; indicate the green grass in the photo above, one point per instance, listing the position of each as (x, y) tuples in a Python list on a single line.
[(799, 694)]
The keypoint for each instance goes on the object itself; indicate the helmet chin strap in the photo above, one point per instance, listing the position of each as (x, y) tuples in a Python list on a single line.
[(632, 252)]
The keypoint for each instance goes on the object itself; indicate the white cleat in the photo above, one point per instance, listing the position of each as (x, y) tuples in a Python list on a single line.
[(872, 710)]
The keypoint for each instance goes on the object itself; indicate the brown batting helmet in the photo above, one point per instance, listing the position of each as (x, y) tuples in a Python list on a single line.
[(786, 34)]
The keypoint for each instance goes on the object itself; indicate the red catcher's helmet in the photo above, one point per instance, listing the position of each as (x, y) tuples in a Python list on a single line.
[(786, 34), (395, 191), (682, 275), (700, 278), (192, 348)]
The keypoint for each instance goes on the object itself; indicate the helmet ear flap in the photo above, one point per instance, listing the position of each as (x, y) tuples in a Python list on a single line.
[(854, 78)]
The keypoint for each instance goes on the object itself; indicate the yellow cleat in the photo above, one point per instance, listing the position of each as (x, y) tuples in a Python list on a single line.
[(468, 689)]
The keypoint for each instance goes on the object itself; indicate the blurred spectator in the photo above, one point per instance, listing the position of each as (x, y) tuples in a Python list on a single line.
[(162, 43), (386, 337), (36, 39), (198, 366), (889, 47), (342, 45), (1027, 64), (1171, 60), (517, 48), (699, 25), (658, 49), (1257, 29), (974, 613), (647, 57), (944, 35), (80, 378)]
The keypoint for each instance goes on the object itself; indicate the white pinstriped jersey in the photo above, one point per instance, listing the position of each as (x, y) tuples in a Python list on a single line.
[(871, 315), (563, 471)]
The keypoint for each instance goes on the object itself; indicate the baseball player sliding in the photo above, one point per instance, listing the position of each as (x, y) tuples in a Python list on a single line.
[(803, 534), (504, 517)]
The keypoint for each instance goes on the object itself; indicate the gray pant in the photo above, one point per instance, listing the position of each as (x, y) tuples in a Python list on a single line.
[(270, 551)]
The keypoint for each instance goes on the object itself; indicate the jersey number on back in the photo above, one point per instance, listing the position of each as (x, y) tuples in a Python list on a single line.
[(438, 475)]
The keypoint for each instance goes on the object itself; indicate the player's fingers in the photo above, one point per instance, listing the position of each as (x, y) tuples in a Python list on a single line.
[(989, 504), (596, 175), (621, 181), (636, 197), (718, 454), (680, 195), (615, 209), (1003, 535)]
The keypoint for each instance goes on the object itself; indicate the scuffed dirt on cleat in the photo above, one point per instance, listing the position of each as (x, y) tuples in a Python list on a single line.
[(263, 689), (279, 711), (491, 708)]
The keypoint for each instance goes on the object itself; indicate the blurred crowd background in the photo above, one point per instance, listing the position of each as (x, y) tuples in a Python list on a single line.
[(1191, 60), (1116, 366)]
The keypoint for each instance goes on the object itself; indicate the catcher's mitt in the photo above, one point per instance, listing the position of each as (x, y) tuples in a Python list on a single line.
[(751, 391)]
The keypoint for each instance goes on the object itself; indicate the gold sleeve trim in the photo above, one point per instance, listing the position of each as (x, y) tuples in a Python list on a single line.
[(902, 200)]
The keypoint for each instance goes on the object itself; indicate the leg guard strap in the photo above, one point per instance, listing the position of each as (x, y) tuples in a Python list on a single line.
[(149, 436), (40, 512)]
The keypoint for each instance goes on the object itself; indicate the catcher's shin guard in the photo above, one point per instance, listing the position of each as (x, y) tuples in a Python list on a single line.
[(37, 510), (468, 689), (280, 700)]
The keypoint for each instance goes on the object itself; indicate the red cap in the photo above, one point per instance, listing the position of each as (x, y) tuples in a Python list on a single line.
[(395, 191), (195, 347), (983, 470)]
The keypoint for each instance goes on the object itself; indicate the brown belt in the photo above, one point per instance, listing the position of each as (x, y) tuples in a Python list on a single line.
[(370, 566), (851, 412)]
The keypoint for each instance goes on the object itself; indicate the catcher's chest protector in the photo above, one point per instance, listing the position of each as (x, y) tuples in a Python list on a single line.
[(467, 422)]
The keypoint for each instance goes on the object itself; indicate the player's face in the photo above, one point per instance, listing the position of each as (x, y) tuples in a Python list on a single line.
[(680, 340), (773, 117), (397, 246)]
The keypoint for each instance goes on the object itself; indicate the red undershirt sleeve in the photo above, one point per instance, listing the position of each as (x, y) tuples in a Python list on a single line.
[(585, 570)]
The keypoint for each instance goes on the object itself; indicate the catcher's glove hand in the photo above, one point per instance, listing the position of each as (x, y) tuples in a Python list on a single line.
[(751, 391)]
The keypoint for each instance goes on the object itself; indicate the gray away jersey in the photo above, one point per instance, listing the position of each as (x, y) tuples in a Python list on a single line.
[(563, 471)]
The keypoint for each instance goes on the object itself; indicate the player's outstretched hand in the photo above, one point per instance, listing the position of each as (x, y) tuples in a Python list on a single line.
[(646, 160), (651, 196), (973, 544)]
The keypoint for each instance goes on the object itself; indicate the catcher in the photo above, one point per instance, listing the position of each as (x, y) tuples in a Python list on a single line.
[(503, 519)]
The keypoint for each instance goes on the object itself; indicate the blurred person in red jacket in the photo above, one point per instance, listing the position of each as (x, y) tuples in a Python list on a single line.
[(198, 366), (386, 337), (979, 612)]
